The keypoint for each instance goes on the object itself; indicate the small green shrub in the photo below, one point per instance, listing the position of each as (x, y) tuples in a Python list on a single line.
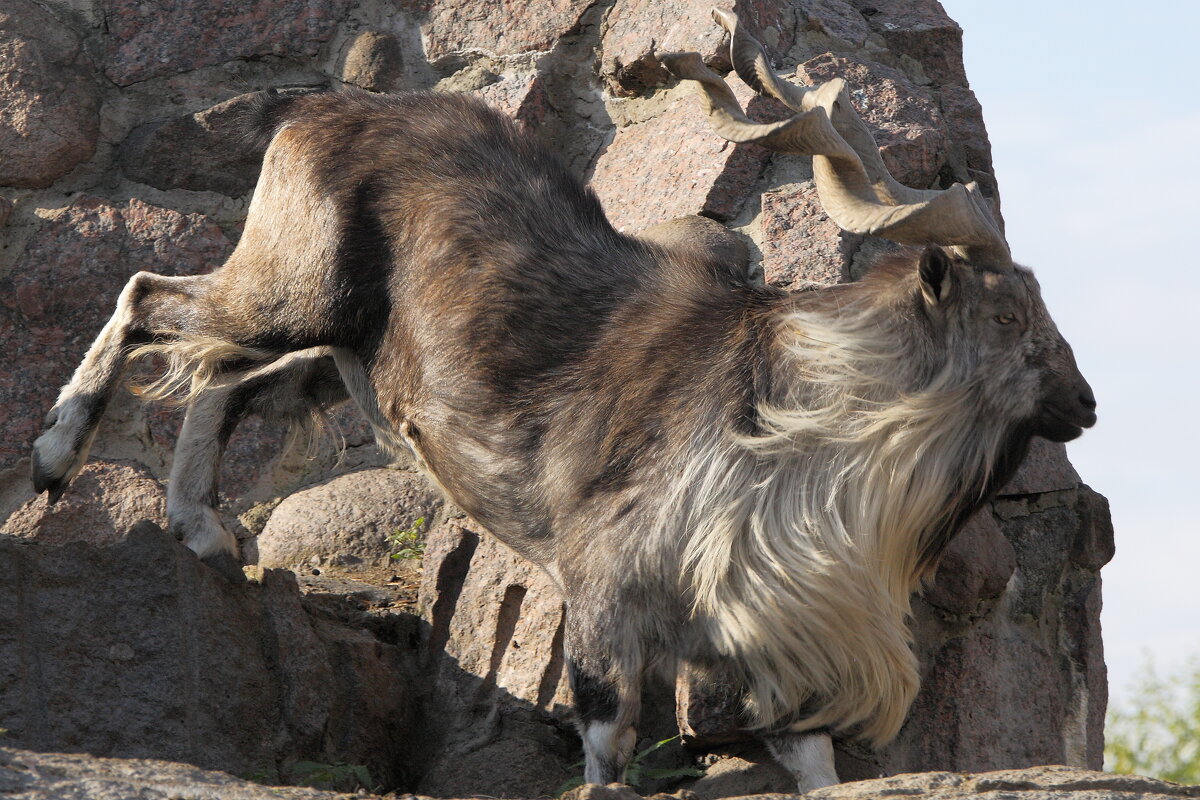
[(338, 777), (637, 772), (408, 543), (1158, 734)]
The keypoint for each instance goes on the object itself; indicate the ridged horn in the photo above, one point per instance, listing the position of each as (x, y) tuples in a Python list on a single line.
[(854, 186)]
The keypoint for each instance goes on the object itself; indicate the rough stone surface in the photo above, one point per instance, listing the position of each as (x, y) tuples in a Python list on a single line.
[(347, 520), (638, 28), (49, 105), (922, 31), (375, 61), (801, 245), (125, 649), (835, 19), (205, 151), (976, 566), (1039, 783), (106, 500), (906, 123), (522, 97), (26, 775), (1045, 469), (452, 26), (64, 287), (149, 40), (968, 136), (495, 649), (673, 164)]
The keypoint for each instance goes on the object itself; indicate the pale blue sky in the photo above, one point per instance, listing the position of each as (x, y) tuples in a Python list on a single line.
[(1093, 114)]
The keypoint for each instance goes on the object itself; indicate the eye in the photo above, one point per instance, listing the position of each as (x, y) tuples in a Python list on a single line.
[(1004, 319)]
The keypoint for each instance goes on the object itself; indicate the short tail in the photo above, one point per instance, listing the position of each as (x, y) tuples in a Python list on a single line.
[(192, 365), (267, 111)]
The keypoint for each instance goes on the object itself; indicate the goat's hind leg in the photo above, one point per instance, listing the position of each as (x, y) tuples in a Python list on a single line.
[(61, 451), (291, 389)]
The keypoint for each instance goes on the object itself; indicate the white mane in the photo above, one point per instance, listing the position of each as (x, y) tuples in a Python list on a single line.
[(801, 547)]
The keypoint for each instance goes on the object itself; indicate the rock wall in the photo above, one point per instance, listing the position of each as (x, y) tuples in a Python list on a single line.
[(117, 155)]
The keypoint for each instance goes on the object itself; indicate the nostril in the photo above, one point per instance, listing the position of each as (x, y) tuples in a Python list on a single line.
[(1087, 400)]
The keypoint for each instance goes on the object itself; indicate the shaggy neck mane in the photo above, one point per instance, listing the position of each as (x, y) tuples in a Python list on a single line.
[(803, 544)]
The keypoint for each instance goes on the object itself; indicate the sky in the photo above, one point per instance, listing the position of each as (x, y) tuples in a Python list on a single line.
[(1093, 115)]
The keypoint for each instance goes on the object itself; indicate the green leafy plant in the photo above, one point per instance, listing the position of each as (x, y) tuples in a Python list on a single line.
[(334, 777), (408, 543), (639, 771), (1158, 733)]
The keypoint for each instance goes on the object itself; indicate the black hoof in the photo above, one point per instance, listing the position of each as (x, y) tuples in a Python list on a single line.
[(53, 485), (227, 566)]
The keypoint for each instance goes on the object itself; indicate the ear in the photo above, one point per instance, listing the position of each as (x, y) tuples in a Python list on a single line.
[(936, 277)]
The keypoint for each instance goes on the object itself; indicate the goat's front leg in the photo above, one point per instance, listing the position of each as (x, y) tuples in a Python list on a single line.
[(61, 451), (605, 672), (291, 389), (808, 756)]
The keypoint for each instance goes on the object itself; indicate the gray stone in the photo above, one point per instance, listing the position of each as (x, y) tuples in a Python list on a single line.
[(1045, 469), (149, 40), (26, 775), (105, 501), (64, 287), (49, 104), (975, 566), (205, 151), (374, 61), (347, 520), (136, 649)]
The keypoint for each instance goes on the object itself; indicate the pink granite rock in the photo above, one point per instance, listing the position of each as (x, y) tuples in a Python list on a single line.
[(800, 243), (64, 286), (520, 26), (149, 40), (674, 164), (106, 500), (522, 97), (907, 125), (49, 105), (638, 28), (921, 30)]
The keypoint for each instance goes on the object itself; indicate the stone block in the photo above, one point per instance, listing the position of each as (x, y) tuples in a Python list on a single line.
[(801, 245), (49, 104), (375, 62), (136, 649), (906, 123), (106, 500), (975, 566), (1045, 469), (674, 164), (150, 40), (636, 29), (346, 521), (921, 30), (64, 287), (522, 97), (453, 26)]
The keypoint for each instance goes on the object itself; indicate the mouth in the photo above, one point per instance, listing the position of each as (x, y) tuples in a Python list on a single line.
[(1058, 426)]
